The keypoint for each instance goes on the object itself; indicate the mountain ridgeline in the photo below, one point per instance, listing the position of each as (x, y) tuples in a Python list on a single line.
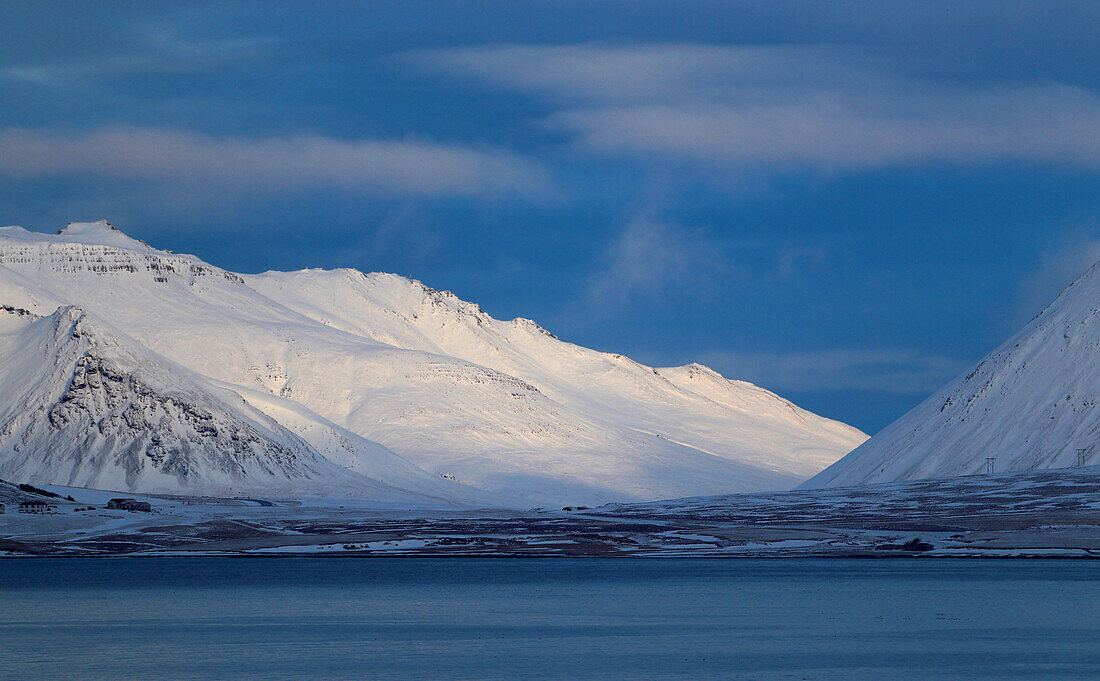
[(127, 367)]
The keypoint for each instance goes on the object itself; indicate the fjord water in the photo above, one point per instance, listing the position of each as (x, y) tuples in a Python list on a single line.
[(441, 618)]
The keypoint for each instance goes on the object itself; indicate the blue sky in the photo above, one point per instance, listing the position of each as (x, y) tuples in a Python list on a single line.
[(845, 202)]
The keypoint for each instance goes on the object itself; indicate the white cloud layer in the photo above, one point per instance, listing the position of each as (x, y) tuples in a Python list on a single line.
[(411, 167), (782, 107)]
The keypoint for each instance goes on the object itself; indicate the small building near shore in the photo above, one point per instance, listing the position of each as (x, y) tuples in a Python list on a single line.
[(130, 505), (35, 506)]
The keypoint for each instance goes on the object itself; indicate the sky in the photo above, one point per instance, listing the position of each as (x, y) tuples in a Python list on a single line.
[(847, 203)]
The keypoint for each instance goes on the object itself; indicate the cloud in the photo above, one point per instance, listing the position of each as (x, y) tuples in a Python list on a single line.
[(1058, 267), (408, 167), (647, 257), (144, 51), (792, 262), (667, 73), (781, 107), (404, 230), (890, 371)]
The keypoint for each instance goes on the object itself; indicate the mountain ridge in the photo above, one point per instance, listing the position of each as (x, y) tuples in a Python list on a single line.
[(1029, 404), (500, 406)]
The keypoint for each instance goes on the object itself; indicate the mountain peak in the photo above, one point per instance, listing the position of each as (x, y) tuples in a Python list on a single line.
[(102, 233), (77, 228)]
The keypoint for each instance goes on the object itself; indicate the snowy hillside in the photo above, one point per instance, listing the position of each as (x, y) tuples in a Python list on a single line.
[(338, 357), (1030, 404), (87, 408), (766, 431)]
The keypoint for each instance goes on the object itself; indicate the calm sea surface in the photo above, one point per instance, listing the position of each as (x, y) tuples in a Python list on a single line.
[(483, 619)]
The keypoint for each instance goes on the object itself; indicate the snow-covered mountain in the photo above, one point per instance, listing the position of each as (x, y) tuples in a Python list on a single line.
[(86, 408), (1030, 405), (368, 372)]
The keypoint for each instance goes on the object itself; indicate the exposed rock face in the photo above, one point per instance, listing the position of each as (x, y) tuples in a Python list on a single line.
[(99, 410)]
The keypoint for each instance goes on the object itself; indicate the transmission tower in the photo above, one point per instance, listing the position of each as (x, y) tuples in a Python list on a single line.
[(1083, 453)]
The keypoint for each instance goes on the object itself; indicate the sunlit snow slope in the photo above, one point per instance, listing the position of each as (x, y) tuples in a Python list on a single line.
[(499, 406), (1030, 404)]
